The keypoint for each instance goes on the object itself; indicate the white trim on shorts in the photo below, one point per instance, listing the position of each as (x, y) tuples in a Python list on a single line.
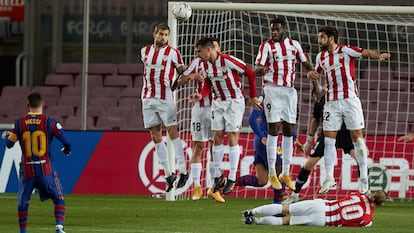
[(201, 123), (310, 212), (227, 115), (343, 110), (158, 111), (282, 102)]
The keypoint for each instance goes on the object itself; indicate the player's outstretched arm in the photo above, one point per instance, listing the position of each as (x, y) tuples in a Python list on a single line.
[(407, 137)]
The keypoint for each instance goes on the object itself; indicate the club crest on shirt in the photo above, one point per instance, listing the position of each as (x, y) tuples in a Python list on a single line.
[(165, 57)]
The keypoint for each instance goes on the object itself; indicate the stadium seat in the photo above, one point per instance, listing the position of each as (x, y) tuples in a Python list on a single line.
[(131, 69), (50, 101), (395, 85), (14, 100), (365, 85), (130, 92), (8, 119), (59, 80), (102, 68), (74, 123), (15, 91), (93, 81), (74, 101), (378, 73), (72, 91), (47, 90), (7, 110), (105, 92), (20, 110), (399, 128), (126, 111), (110, 123), (69, 68), (93, 111), (60, 111), (130, 101), (118, 81), (138, 81), (404, 73), (102, 101)]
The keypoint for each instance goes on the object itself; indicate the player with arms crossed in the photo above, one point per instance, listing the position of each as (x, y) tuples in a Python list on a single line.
[(200, 127), (222, 76), (342, 101), (276, 62), (35, 132), (158, 106), (354, 210)]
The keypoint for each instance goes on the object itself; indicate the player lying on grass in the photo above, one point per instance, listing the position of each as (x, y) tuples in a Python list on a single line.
[(355, 210)]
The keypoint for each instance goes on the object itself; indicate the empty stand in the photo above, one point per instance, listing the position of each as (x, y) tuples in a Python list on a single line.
[(133, 69), (69, 68), (110, 123), (6, 110), (102, 68), (102, 101), (93, 111), (93, 81), (15, 91), (130, 92), (60, 111), (47, 90), (74, 101), (105, 92), (60, 80), (404, 73), (72, 91), (130, 101), (13, 100), (74, 123), (118, 81), (378, 73)]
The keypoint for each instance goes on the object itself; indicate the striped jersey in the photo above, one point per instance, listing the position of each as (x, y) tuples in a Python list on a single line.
[(195, 67), (353, 210), (339, 68), (280, 59), (35, 133), (223, 76), (159, 71)]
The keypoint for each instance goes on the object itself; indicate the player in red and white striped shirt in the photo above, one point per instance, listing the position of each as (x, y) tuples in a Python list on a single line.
[(337, 62), (354, 210), (158, 106), (200, 127), (276, 62), (222, 74)]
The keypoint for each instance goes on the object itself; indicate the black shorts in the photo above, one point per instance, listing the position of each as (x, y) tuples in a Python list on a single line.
[(343, 141)]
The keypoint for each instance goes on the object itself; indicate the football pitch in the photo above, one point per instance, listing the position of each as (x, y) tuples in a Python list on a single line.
[(97, 213)]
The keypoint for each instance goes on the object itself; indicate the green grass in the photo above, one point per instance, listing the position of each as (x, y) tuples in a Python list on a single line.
[(97, 213)]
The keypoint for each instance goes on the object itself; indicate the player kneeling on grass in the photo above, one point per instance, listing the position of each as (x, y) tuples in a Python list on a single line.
[(355, 210)]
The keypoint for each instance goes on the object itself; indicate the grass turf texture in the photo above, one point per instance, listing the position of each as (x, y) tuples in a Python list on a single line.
[(97, 213)]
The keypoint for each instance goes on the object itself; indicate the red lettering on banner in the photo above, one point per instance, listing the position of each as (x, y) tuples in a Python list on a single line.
[(14, 9)]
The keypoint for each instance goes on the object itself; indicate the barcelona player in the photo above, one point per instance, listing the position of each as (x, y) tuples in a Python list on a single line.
[(35, 132)]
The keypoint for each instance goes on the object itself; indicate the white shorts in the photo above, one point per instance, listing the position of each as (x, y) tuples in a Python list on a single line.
[(280, 103), (310, 212), (201, 123), (158, 111), (227, 115), (347, 110)]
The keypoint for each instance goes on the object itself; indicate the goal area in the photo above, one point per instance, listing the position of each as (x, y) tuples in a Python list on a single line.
[(386, 88)]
